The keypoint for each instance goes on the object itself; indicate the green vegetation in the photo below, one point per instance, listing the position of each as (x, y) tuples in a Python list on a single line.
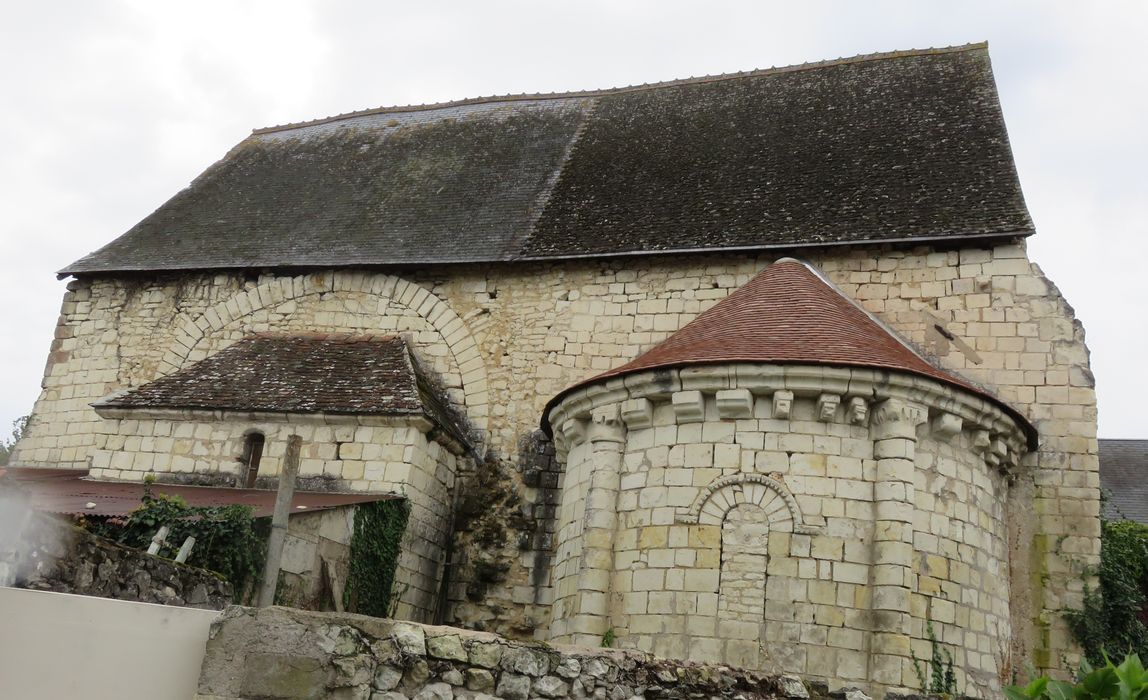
[(940, 677), (1112, 619), (6, 446), (229, 540), (379, 529), (1128, 681)]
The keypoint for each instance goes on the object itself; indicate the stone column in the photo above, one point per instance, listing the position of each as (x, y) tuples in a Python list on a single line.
[(893, 428), (606, 434)]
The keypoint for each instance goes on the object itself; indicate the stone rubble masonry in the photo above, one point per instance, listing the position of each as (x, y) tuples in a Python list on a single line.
[(867, 531), (505, 339), (285, 654), (57, 556)]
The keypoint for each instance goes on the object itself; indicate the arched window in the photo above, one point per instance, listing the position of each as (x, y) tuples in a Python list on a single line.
[(252, 453), (744, 556)]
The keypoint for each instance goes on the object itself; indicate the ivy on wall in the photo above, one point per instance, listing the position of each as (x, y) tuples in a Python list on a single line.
[(379, 529), (229, 540), (1112, 619)]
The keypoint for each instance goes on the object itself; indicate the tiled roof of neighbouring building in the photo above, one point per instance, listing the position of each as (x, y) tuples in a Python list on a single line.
[(906, 146), (331, 373), (1124, 477), (789, 314)]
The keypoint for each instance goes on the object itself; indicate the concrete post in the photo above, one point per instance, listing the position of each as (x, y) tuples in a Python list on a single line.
[(279, 522), (893, 428), (607, 434)]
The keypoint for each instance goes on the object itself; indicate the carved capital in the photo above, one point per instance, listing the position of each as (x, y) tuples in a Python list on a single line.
[(858, 411), (946, 426), (894, 418), (606, 424), (689, 406), (638, 413), (735, 403), (827, 407), (782, 404), (573, 432)]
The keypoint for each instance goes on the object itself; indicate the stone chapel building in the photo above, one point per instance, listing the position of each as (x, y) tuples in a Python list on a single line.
[(758, 363)]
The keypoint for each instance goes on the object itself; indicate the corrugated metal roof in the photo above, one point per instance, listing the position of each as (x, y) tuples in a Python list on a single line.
[(1124, 478), (70, 491), (908, 146)]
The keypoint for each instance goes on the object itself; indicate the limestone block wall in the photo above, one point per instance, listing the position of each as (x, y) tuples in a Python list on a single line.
[(339, 453), (516, 335), (282, 654), (800, 519)]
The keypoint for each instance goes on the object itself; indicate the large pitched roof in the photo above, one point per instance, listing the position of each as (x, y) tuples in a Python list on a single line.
[(907, 146), (1124, 476), (319, 373), (789, 314)]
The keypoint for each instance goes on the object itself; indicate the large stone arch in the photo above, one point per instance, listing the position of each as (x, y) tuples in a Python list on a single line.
[(724, 493), (191, 331)]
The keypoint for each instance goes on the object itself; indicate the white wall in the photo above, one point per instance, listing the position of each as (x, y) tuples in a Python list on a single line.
[(55, 645)]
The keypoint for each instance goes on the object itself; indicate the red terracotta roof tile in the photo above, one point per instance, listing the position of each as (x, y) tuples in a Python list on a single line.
[(788, 314)]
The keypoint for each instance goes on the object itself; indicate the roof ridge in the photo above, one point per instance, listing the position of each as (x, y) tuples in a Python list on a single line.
[(525, 97)]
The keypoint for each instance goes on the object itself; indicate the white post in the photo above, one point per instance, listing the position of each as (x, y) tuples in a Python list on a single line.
[(279, 522)]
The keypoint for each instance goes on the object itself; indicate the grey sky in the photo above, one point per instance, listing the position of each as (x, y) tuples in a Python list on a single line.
[(107, 109)]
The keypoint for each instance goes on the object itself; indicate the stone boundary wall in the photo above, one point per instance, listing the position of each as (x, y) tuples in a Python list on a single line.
[(53, 555), (285, 654)]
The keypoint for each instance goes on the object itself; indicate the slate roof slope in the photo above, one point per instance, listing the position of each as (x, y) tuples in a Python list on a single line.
[(789, 314), (319, 373), (906, 146), (1124, 476)]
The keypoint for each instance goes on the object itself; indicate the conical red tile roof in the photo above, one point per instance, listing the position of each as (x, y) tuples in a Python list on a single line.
[(788, 314)]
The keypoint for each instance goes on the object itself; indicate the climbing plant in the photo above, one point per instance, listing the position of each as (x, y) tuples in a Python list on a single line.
[(228, 539), (940, 677), (379, 529), (1112, 618)]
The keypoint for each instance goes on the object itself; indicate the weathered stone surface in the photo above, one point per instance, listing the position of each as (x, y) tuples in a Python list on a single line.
[(387, 677), (53, 555), (792, 687), (551, 687), (485, 654), (513, 687), (446, 647), (410, 639), (525, 660), (283, 677), (479, 679), (435, 691)]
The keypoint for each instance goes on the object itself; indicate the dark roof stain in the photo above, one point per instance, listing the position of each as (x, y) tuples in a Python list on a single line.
[(1124, 478), (318, 373), (894, 147)]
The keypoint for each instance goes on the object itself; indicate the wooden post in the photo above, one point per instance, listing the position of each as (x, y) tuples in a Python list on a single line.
[(279, 522)]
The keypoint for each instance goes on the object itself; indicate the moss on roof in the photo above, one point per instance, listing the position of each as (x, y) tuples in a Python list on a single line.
[(889, 147)]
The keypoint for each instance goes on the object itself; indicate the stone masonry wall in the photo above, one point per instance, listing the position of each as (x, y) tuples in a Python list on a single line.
[(52, 555), (338, 454), (747, 514), (283, 654), (515, 335)]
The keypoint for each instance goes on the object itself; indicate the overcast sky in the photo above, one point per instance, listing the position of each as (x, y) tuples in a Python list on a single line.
[(108, 108)]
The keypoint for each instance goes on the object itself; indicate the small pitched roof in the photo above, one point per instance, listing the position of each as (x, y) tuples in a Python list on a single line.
[(905, 146), (317, 373), (1124, 476), (789, 314)]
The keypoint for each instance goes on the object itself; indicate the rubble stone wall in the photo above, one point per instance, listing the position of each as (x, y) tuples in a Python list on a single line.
[(55, 556), (282, 654), (507, 338)]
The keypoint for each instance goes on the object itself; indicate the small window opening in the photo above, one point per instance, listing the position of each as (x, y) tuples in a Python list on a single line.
[(252, 453)]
